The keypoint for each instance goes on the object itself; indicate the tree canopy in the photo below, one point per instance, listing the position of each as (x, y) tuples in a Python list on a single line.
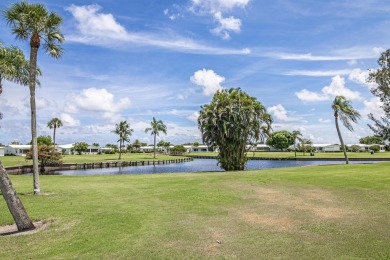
[(281, 139), (373, 139), (231, 121), (381, 77)]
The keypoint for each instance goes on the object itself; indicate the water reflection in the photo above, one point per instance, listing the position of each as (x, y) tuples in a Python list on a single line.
[(197, 165)]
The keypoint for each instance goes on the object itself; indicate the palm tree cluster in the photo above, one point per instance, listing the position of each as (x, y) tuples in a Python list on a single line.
[(231, 121)]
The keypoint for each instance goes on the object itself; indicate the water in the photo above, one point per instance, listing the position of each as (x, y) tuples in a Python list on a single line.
[(197, 165)]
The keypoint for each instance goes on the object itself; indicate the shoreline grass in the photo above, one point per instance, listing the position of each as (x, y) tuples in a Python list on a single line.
[(332, 211)]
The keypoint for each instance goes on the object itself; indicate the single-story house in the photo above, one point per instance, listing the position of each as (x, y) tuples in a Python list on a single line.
[(366, 147), (65, 149), (200, 148), (1, 151), (326, 147), (17, 149)]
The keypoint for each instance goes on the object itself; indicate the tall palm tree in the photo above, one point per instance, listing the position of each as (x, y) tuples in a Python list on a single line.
[(296, 134), (124, 131), (54, 123), (344, 111), (33, 23), (156, 128)]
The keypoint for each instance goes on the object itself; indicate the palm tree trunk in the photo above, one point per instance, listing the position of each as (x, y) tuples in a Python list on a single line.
[(120, 149), (15, 206), (54, 135), (154, 150), (341, 139), (32, 80)]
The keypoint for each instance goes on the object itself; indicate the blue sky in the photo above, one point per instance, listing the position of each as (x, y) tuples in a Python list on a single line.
[(132, 60)]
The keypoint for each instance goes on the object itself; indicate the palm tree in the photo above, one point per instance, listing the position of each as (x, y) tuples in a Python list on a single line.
[(156, 127), (33, 23), (54, 124), (13, 67), (343, 109), (124, 131), (296, 135)]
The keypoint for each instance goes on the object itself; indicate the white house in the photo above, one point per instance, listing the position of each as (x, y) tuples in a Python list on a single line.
[(1, 151), (17, 149), (65, 149), (326, 147), (200, 148), (366, 147)]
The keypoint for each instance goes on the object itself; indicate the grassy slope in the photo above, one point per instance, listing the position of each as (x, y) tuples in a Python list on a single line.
[(315, 212)]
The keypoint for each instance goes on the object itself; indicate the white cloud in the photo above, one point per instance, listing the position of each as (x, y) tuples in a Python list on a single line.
[(324, 121), (360, 77), (100, 29), (100, 100), (373, 106), (336, 88), (226, 25), (193, 117), (317, 73), (216, 9), (280, 113), (208, 80), (69, 121), (310, 96), (217, 5), (92, 23), (355, 53)]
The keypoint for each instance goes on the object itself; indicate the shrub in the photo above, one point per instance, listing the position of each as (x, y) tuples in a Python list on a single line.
[(374, 148)]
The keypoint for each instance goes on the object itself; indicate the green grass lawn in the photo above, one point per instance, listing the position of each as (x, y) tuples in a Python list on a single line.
[(86, 158), (307, 155), (316, 212)]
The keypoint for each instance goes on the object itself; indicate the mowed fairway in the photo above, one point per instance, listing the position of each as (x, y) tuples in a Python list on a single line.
[(319, 212)]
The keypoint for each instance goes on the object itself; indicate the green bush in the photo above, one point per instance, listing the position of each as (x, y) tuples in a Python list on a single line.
[(374, 148)]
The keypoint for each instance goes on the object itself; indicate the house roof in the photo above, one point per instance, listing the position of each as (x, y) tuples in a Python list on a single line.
[(20, 146), (65, 146)]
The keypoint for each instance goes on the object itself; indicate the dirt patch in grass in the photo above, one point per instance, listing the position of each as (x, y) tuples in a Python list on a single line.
[(12, 230), (287, 209)]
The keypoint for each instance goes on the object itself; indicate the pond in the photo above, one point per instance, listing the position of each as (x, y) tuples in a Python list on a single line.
[(197, 165)]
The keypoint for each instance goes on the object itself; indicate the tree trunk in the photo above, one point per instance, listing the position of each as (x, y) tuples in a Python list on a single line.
[(54, 135), (120, 150), (341, 139), (154, 150), (32, 80), (15, 206)]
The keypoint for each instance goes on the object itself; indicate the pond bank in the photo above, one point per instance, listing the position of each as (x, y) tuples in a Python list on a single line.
[(313, 158), (24, 169)]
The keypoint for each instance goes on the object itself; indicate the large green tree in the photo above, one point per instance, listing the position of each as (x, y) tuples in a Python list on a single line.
[(54, 123), (156, 126), (124, 131), (281, 139), (381, 77), (344, 111), (232, 120), (34, 23), (373, 139)]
